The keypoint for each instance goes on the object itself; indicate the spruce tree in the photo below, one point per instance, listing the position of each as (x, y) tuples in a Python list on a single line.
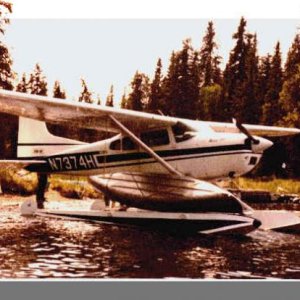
[(209, 66), (194, 86), (290, 100), (5, 10), (22, 86), (181, 85), (98, 99), (264, 79), (155, 96), (185, 102), (58, 92), (8, 134), (110, 97), (251, 108), (235, 76), (139, 96), (6, 74), (210, 77), (293, 58), (124, 100), (170, 88), (240, 87), (271, 110), (85, 95), (37, 84)]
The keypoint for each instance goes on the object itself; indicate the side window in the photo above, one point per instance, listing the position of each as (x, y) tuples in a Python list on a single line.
[(126, 144), (181, 133), (115, 145), (155, 138)]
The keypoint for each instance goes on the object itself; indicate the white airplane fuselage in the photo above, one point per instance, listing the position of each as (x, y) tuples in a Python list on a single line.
[(201, 153)]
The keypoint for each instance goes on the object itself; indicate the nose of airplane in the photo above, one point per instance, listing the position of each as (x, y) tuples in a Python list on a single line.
[(262, 145)]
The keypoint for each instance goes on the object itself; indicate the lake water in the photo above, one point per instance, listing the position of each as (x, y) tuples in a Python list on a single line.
[(51, 248)]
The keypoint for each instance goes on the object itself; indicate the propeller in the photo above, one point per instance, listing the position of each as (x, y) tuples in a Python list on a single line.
[(243, 129)]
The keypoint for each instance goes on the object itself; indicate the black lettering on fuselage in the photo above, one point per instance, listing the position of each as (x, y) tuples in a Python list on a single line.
[(52, 164), (67, 163), (72, 162), (82, 163), (89, 161)]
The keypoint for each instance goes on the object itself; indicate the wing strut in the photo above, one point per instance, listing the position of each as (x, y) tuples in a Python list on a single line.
[(145, 147)]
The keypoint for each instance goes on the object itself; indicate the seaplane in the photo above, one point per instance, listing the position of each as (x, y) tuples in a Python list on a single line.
[(161, 169)]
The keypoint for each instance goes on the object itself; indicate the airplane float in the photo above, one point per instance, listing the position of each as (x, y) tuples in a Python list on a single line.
[(159, 167)]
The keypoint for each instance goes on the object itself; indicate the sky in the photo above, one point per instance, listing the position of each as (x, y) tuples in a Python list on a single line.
[(106, 42)]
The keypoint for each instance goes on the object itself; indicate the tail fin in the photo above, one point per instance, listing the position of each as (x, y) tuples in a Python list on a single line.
[(35, 140)]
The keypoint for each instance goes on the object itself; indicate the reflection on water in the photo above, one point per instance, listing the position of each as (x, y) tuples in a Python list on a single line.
[(40, 248)]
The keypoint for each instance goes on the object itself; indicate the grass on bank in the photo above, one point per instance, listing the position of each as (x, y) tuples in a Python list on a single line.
[(24, 183), (75, 188), (17, 182), (270, 184)]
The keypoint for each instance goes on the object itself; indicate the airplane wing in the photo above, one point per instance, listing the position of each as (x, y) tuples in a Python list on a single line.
[(78, 114), (100, 118), (260, 130)]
